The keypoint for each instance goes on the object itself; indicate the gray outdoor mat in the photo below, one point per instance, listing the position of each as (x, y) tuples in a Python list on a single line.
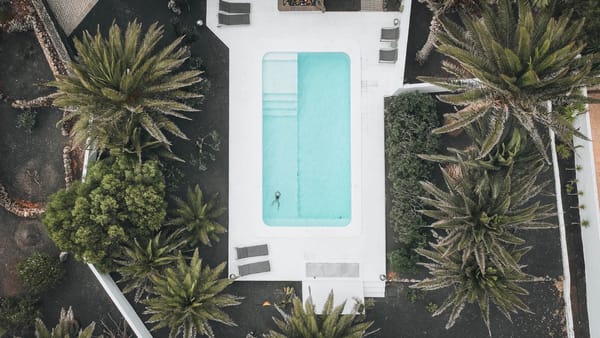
[(258, 267), (252, 251), (332, 270)]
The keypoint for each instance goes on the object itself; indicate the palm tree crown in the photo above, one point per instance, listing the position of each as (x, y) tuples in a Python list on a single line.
[(480, 211), (508, 62), (139, 263), (118, 80), (198, 218), (303, 322), (188, 296), (469, 283)]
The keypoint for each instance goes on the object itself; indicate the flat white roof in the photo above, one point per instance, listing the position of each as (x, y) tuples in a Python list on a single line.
[(290, 248)]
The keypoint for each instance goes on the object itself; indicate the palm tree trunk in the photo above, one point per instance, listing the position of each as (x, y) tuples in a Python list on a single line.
[(434, 28), (42, 101)]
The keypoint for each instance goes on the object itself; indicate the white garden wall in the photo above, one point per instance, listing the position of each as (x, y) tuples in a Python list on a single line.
[(586, 176)]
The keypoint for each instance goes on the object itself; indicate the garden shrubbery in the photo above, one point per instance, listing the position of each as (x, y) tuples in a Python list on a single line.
[(409, 120), (116, 215), (17, 314), (119, 201), (589, 10), (40, 272)]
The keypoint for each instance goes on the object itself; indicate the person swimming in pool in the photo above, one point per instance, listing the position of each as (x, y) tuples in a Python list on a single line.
[(276, 200)]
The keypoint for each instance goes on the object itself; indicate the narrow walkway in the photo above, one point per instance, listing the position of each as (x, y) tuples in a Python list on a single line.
[(595, 124), (69, 13)]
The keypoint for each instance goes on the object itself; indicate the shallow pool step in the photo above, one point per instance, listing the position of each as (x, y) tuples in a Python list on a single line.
[(280, 112), (280, 104), (280, 96)]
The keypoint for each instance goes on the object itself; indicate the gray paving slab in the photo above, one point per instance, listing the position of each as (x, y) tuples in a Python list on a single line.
[(69, 13)]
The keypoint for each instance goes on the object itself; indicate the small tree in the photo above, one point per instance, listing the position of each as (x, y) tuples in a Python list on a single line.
[(480, 211), (304, 322), (198, 218), (120, 79), (139, 264), (40, 272), (508, 62), (468, 283), (119, 201), (187, 297)]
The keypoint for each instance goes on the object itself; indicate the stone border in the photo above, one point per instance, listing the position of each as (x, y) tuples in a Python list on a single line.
[(20, 208), (58, 60)]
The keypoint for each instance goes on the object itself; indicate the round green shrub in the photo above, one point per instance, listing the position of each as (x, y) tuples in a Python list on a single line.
[(17, 314), (120, 200), (404, 261), (40, 272)]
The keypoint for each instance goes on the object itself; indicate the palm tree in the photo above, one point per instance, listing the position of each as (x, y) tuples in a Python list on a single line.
[(507, 62), (139, 263), (480, 211), (67, 327), (303, 322), (120, 80), (197, 218), (131, 140), (469, 283), (439, 8), (186, 297), (515, 149)]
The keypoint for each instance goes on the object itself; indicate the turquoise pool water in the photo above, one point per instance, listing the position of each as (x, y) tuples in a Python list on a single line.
[(306, 139)]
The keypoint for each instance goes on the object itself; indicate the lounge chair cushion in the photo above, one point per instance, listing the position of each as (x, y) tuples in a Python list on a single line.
[(234, 19), (390, 34), (252, 251), (234, 7), (388, 55), (252, 268)]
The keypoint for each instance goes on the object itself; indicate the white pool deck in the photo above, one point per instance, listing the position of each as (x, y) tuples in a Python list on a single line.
[(290, 248)]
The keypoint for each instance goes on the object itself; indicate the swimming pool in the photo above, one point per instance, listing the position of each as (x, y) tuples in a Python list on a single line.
[(306, 139)]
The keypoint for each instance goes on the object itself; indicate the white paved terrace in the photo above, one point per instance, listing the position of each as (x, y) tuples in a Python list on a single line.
[(363, 241)]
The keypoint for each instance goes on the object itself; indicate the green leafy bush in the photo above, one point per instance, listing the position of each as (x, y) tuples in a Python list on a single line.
[(404, 261), (17, 314), (120, 200), (409, 120), (40, 272)]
